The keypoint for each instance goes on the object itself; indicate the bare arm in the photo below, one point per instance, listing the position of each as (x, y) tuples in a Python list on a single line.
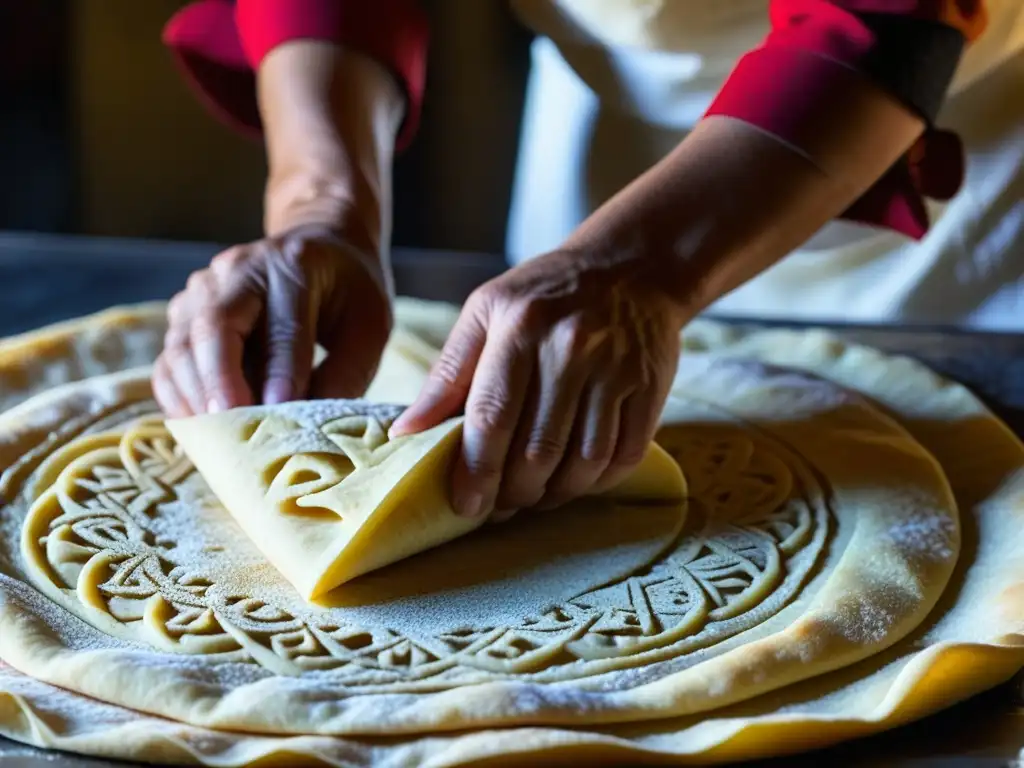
[(732, 200), (244, 329), (563, 364), (330, 119)]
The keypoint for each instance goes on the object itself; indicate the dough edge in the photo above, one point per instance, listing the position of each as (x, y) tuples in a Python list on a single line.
[(719, 738)]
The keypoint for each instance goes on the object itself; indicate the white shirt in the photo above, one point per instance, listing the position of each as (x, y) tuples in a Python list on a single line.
[(616, 84)]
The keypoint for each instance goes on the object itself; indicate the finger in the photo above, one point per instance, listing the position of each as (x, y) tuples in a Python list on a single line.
[(166, 393), (217, 337), (290, 333), (493, 409), (195, 322), (448, 385), (223, 317), (242, 270), (636, 431), (174, 374), (181, 368), (544, 431), (348, 369), (353, 351), (593, 444)]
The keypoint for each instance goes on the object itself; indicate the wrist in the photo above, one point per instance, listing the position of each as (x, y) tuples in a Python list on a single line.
[(330, 119), (336, 202)]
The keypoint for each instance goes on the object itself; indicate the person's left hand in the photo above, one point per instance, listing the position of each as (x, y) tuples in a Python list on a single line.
[(562, 366)]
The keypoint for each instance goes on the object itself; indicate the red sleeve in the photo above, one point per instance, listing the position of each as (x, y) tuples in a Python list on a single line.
[(219, 44), (819, 49)]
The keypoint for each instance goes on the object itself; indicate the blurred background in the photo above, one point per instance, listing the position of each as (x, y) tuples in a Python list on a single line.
[(99, 136)]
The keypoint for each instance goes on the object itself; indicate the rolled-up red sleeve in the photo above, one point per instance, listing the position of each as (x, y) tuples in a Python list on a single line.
[(818, 50), (219, 45)]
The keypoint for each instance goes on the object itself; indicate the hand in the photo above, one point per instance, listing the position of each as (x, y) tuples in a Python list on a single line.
[(563, 365), (260, 309)]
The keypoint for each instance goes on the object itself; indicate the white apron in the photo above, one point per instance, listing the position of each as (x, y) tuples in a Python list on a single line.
[(615, 84)]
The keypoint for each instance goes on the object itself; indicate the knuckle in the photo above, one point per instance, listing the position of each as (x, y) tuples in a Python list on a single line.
[(445, 371), (176, 341), (482, 470), (208, 323), (159, 369), (230, 258), (543, 449), (163, 384), (177, 359), (525, 317), (489, 412), (575, 478), (198, 282), (167, 402), (597, 451), (177, 308), (285, 361), (174, 306), (629, 454), (284, 332), (484, 296)]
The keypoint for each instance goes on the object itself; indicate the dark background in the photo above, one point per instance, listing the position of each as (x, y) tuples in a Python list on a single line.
[(99, 135)]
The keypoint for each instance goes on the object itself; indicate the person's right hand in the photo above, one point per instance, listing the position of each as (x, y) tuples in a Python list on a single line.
[(245, 328)]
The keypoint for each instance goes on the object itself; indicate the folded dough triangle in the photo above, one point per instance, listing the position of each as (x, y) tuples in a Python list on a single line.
[(327, 496)]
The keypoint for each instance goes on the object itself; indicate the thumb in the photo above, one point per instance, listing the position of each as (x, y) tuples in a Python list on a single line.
[(444, 393), (290, 333)]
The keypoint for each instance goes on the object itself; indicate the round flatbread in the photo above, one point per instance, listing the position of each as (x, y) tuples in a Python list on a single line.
[(820, 533)]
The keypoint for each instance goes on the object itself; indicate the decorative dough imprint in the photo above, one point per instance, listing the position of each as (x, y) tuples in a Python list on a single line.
[(300, 484), (295, 481), (757, 526)]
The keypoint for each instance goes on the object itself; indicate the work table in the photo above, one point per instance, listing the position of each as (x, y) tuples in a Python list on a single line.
[(44, 279)]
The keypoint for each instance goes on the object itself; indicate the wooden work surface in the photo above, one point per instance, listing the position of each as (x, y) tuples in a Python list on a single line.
[(44, 279)]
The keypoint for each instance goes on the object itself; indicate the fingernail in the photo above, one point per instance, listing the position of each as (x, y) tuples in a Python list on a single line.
[(213, 405), (504, 515), (405, 423), (470, 505), (397, 429)]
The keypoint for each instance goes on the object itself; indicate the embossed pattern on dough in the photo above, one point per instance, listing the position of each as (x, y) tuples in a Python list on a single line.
[(92, 544), (210, 690), (326, 495)]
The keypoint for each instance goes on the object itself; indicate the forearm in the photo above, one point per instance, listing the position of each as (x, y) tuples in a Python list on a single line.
[(330, 119), (732, 200)]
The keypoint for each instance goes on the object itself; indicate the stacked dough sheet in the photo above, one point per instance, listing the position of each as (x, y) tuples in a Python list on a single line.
[(847, 558)]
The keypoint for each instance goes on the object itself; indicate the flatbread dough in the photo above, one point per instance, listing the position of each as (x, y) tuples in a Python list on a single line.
[(820, 533), (960, 649), (327, 496)]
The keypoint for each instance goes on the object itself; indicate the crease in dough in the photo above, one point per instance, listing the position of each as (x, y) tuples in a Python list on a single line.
[(323, 492)]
